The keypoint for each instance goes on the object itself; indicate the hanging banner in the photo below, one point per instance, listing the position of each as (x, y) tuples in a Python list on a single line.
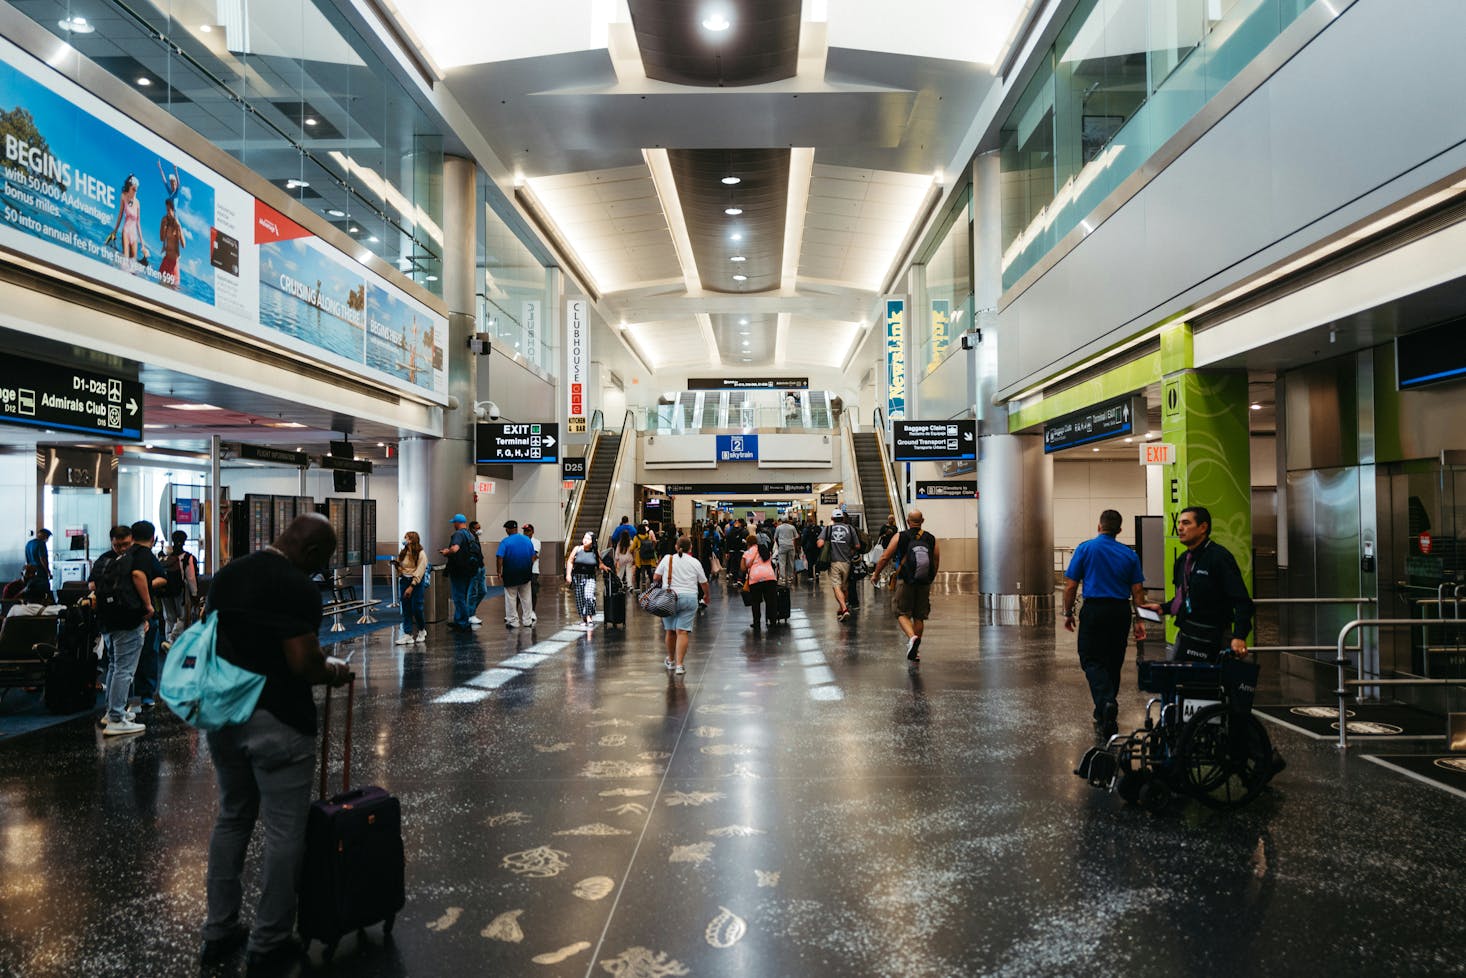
[(530, 319), (895, 359), (89, 190), (941, 331), (577, 362)]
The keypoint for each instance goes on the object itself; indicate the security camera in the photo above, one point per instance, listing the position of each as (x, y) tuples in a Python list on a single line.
[(479, 343), (970, 339), (486, 411)]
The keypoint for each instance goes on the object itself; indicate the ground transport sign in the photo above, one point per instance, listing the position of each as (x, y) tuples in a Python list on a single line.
[(933, 441), (532, 442), (44, 395), (1108, 420)]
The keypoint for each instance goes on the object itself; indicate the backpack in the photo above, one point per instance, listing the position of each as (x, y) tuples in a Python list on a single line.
[(118, 603), (915, 566), (173, 568), (648, 549), (475, 554), (205, 689)]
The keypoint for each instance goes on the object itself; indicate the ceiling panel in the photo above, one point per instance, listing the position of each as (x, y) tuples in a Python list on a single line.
[(592, 211), (759, 44), (732, 331), (763, 194)]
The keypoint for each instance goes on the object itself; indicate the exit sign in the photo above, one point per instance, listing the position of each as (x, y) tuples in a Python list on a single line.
[(483, 488), (1157, 453)]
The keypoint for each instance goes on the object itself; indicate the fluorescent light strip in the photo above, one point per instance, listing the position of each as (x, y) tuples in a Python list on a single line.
[(801, 171), (660, 164), (781, 339)]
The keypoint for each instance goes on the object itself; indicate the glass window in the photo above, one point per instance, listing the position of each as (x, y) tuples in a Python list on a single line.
[(948, 269), (513, 288)]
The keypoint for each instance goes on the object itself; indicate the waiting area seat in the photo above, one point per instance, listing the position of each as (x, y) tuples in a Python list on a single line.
[(27, 642)]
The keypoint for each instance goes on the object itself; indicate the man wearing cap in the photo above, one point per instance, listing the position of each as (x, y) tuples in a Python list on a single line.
[(464, 560), (515, 561), (843, 543)]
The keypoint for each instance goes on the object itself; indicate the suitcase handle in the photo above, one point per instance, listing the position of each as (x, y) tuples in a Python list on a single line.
[(346, 738)]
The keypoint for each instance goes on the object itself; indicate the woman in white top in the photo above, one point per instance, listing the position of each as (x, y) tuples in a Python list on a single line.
[(625, 562), (412, 568), (682, 574)]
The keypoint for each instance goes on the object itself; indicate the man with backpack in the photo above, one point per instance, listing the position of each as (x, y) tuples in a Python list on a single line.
[(840, 541), (124, 605), (180, 569), (915, 555), (464, 560), (150, 662), (478, 588)]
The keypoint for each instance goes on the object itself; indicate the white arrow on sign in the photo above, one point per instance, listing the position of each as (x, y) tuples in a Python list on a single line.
[(967, 436), (131, 406), (549, 441)]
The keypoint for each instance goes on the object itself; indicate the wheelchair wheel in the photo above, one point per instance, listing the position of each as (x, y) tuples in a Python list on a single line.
[(1219, 765)]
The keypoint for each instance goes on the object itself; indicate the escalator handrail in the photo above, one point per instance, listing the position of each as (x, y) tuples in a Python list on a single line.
[(577, 496), (898, 505), (628, 436)]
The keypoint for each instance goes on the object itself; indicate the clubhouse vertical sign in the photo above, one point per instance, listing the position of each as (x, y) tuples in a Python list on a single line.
[(577, 360), (895, 359)]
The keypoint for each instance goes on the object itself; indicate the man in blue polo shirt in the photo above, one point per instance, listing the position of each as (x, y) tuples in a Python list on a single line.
[(1112, 577), (516, 565)]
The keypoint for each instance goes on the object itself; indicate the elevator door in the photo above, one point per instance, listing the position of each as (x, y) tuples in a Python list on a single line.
[(1428, 520)]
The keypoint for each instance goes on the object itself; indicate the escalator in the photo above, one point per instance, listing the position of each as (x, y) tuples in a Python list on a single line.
[(599, 471), (870, 466)]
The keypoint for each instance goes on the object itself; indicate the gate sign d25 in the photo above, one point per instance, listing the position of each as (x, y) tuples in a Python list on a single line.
[(505, 441), (572, 469), (44, 395), (737, 448), (933, 441)]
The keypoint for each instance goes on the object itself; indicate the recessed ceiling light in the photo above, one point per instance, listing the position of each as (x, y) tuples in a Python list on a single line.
[(76, 25), (299, 449), (747, 359), (1129, 440), (144, 82), (738, 258), (732, 211), (431, 278), (205, 29), (717, 23), (1257, 407), (1152, 434), (335, 212), (373, 238), (740, 278), (309, 121), (296, 184), (1096, 449), (732, 181), (381, 444), (286, 424), (192, 407), (355, 230), (736, 236), (742, 322), (155, 426)]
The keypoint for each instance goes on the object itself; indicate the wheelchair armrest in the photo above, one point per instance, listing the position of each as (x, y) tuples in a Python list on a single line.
[(44, 651)]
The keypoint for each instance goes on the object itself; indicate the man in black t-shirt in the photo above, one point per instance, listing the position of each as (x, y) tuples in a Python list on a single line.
[(144, 534), (269, 619), (120, 595)]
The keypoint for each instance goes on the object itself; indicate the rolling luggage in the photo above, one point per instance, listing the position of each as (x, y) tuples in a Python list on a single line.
[(776, 608), (71, 674), (353, 874), (852, 592), (615, 602)]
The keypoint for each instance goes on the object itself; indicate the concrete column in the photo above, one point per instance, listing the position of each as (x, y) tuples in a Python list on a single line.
[(1015, 479), (435, 475)]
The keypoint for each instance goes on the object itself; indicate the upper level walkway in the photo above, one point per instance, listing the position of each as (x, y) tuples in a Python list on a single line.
[(798, 804)]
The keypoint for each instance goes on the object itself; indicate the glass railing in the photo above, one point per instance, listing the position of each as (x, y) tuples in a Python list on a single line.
[(672, 419), (1080, 131)]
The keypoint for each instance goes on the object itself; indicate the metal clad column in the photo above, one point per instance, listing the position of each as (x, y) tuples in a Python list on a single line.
[(435, 475), (1015, 479)]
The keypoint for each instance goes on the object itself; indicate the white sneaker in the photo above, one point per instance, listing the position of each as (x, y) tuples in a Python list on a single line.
[(125, 727), (420, 638), (507, 624), (668, 664), (475, 620), (679, 671), (403, 639)]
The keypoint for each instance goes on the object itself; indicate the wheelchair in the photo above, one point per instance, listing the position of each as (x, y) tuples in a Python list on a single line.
[(1200, 739)]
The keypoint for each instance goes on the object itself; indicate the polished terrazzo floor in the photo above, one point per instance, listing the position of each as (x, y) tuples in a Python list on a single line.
[(799, 804)]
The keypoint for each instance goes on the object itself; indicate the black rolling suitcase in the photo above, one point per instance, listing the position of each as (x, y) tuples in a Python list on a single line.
[(776, 608), (71, 674), (615, 602), (353, 875)]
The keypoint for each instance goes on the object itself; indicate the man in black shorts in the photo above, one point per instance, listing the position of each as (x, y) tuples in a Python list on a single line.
[(915, 554), (269, 618)]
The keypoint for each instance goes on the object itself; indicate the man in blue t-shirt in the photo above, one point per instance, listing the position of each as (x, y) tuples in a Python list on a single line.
[(1112, 577), (515, 559)]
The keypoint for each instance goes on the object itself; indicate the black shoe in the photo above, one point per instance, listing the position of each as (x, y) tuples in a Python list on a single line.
[(220, 949), (276, 961), (913, 649), (1108, 725)]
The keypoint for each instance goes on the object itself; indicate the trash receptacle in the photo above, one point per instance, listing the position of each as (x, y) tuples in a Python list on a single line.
[(439, 604)]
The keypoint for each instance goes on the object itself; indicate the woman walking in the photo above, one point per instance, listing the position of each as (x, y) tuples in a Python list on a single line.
[(412, 570), (581, 568), (681, 573), (760, 578), (181, 571), (625, 562), (646, 552)]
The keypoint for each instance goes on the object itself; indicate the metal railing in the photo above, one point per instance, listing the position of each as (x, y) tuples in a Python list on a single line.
[(577, 495), (1358, 604), (627, 443), (1441, 603), (1346, 684), (898, 504)]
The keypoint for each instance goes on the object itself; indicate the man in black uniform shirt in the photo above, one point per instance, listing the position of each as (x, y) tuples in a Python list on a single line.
[(269, 617), (1212, 607)]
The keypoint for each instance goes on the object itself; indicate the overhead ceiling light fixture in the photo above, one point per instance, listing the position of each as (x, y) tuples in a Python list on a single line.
[(192, 407), (717, 23), (740, 278), (1257, 407), (296, 184), (733, 181), (738, 258), (286, 424), (76, 25), (733, 211), (144, 82), (335, 212), (309, 121), (355, 229), (432, 278), (736, 236), (742, 322), (205, 29)]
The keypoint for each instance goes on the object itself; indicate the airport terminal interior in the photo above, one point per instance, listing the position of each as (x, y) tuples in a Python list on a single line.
[(734, 445)]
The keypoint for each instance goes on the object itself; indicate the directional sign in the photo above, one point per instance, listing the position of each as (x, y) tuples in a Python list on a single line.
[(572, 469), (945, 490), (933, 441), (280, 456), (829, 498), (1108, 420), (43, 395), (340, 463), (739, 489), (531, 442), (737, 448)]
